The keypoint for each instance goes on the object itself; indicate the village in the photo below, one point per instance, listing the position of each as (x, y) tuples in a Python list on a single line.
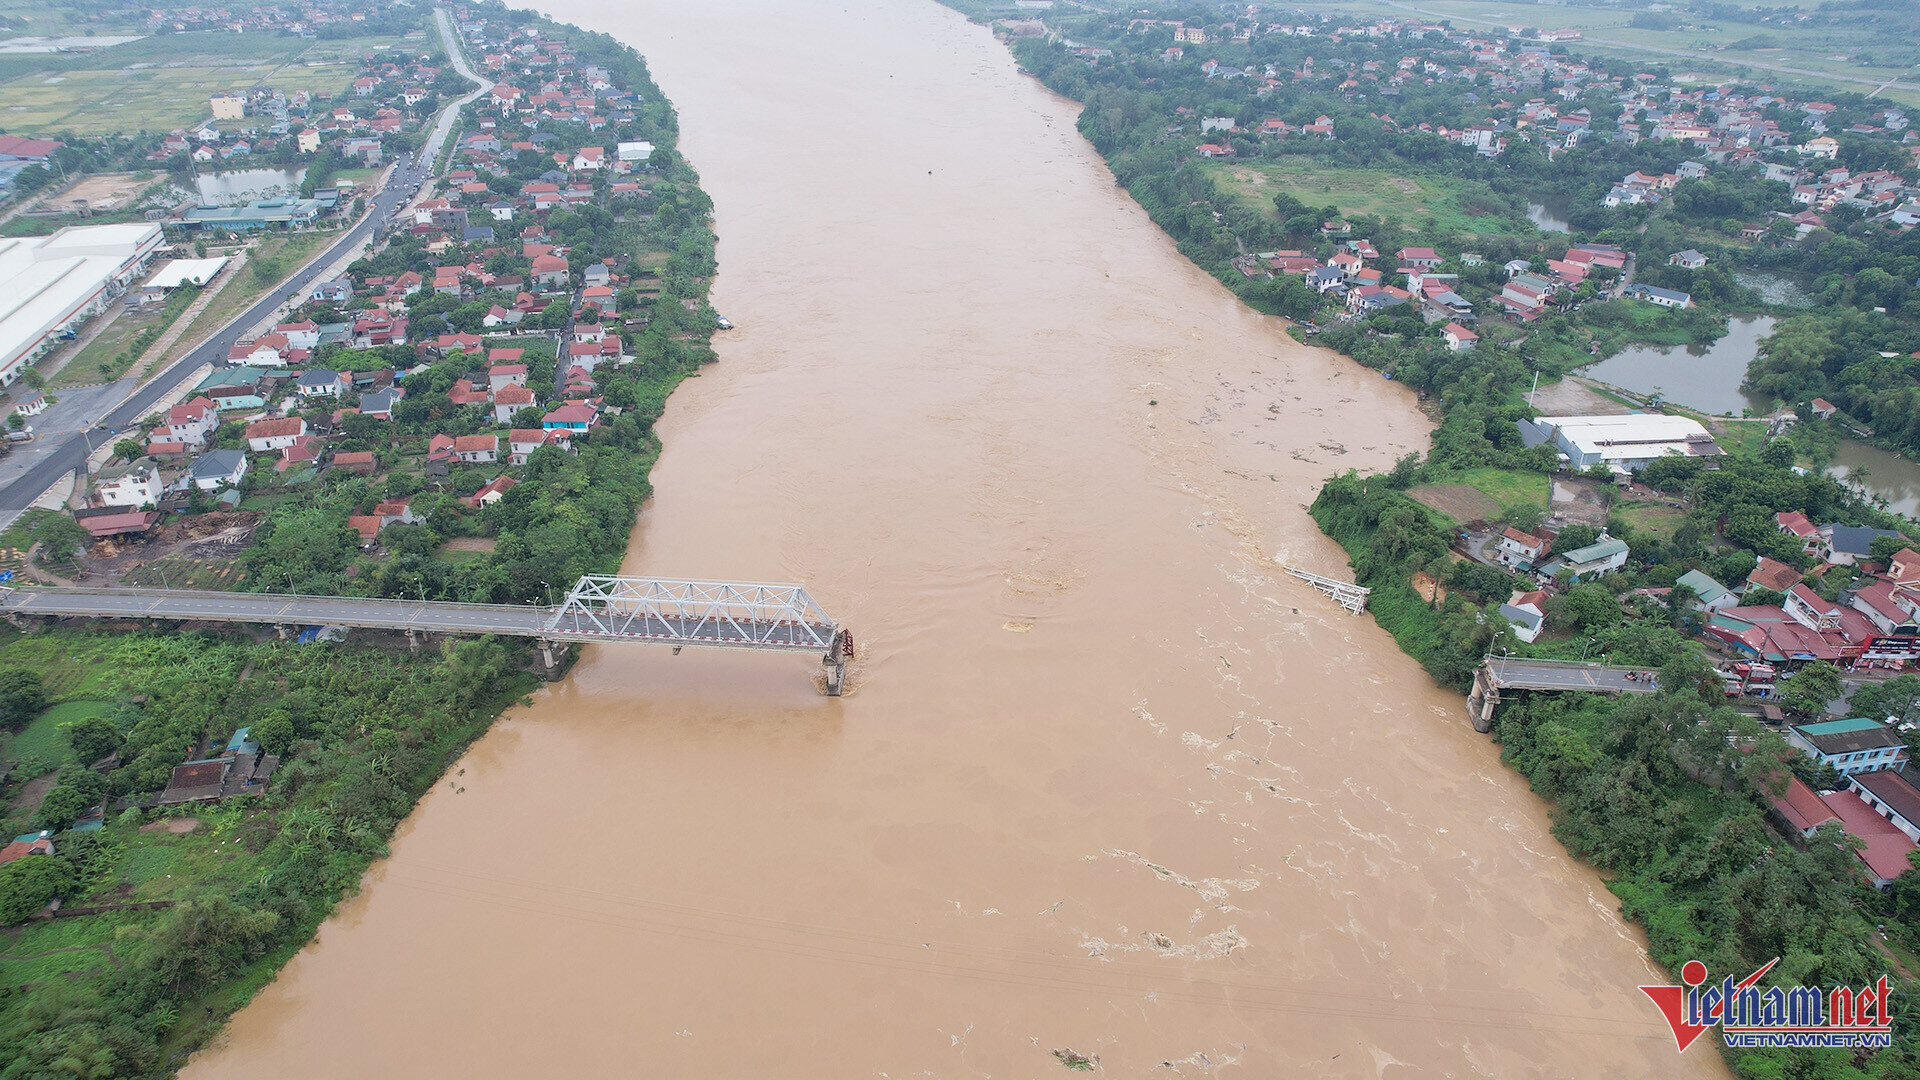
[(489, 343)]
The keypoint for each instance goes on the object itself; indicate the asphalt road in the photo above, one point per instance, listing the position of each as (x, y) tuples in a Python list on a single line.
[(64, 455), (435, 616), (1533, 675)]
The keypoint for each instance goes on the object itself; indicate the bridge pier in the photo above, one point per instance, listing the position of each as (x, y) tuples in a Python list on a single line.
[(839, 653), (1483, 700), (413, 640), (281, 629), (547, 660)]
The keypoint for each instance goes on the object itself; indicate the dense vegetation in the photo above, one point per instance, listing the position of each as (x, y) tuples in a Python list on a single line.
[(364, 733)]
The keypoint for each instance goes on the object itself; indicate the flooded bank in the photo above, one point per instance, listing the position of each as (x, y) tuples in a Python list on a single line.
[(1707, 379), (1880, 474), (1105, 781)]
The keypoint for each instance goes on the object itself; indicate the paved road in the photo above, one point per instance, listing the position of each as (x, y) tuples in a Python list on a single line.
[(56, 454), (1511, 674), (436, 616)]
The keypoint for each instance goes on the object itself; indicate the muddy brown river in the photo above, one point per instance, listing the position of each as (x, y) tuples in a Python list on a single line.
[(1105, 780)]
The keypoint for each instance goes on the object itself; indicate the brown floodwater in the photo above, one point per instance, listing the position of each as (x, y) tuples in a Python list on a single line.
[(1105, 780)]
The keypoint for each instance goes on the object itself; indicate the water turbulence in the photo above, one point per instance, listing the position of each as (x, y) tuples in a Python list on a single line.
[(1106, 786)]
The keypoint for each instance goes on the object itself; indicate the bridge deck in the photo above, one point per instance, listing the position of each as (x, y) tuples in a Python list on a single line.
[(1511, 674), (550, 623)]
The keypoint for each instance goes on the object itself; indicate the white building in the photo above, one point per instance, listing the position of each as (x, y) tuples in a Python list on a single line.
[(51, 285), (1622, 443), (134, 484)]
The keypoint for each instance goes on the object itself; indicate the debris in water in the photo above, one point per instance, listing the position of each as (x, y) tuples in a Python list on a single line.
[(1073, 1059)]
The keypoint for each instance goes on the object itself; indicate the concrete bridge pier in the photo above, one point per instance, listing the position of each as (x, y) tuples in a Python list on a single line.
[(413, 640), (839, 654), (547, 659), (1483, 700), (282, 630)]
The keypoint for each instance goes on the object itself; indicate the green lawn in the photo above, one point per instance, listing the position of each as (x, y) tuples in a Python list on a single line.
[(1512, 489), (1650, 519), (1409, 197)]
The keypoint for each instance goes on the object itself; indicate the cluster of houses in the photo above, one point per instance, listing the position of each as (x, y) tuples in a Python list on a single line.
[(385, 98), (306, 20), (1724, 128), (1418, 278), (1876, 803), (293, 418), (1876, 625)]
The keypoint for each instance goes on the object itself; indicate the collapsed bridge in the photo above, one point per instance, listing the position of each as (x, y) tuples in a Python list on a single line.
[(599, 609)]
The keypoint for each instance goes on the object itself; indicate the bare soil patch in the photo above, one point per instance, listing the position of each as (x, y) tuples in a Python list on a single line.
[(1458, 501), (179, 826), (469, 543), (1572, 396), (1580, 501)]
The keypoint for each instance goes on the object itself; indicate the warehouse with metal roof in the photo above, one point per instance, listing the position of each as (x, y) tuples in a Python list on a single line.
[(51, 285)]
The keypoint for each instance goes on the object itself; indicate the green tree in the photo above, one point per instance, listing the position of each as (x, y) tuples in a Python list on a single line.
[(1809, 690), (21, 698), (92, 738), (1898, 698), (128, 449), (27, 885)]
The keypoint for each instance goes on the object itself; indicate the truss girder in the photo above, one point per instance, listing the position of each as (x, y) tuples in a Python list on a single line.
[(683, 612)]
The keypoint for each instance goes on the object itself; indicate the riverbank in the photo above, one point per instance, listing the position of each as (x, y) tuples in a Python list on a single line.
[(317, 752), (1581, 757)]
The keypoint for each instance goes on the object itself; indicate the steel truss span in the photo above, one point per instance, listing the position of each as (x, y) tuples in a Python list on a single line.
[(712, 613)]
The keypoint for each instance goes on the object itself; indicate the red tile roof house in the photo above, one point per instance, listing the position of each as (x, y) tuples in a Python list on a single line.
[(477, 449), (506, 371), (1800, 807), (361, 462), (495, 490), (463, 392), (191, 422), (305, 450), (40, 843), (368, 526), (509, 400), (264, 435), (1796, 524), (522, 442)]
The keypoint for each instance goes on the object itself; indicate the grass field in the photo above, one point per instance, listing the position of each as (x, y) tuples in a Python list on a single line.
[(1863, 50), (1412, 199), (1652, 519), (243, 288), (114, 346), (1512, 489), (163, 83)]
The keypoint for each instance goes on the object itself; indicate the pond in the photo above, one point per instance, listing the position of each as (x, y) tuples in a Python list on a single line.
[(1547, 219), (1706, 379), (1879, 473), (246, 185)]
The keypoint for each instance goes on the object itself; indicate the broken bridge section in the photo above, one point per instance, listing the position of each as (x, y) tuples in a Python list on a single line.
[(599, 609), (716, 614)]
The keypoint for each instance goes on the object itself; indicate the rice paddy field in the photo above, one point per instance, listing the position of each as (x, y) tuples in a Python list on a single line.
[(159, 84)]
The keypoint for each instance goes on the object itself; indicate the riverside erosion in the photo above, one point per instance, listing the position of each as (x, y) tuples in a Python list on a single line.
[(1105, 782)]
